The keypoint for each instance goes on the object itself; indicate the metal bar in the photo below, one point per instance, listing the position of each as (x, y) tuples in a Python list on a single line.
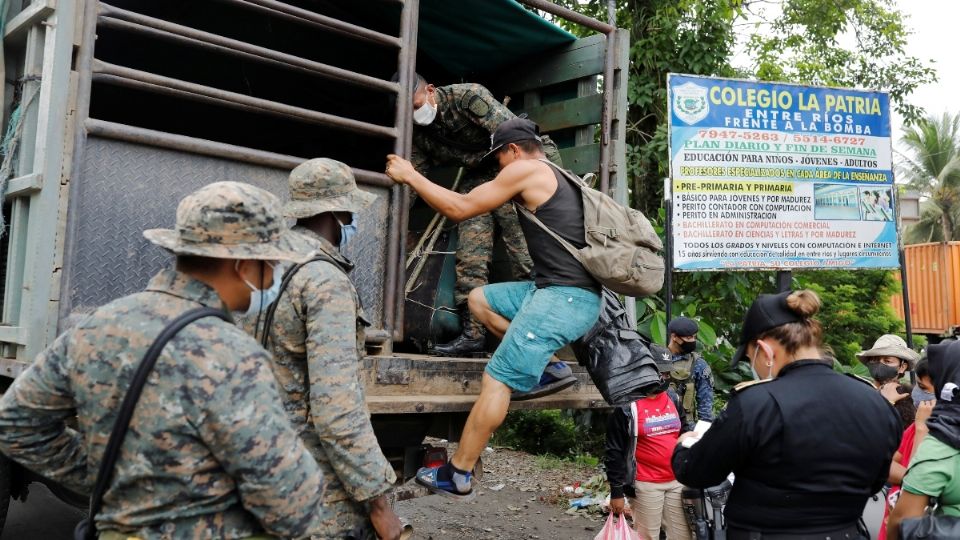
[(406, 68), (111, 17), (570, 15), (907, 322), (31, 15), (84, 63), (133, 78), (606, 124), (668, 237), (303, 16), (123, 132), (784, 280)]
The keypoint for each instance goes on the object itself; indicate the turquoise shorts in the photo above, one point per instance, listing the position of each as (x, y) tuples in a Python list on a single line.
[(542, 321)]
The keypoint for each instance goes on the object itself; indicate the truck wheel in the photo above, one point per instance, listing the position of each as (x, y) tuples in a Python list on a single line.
[(5, 482)]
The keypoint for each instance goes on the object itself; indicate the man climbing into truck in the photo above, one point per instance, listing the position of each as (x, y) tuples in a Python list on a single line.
[(452, 126), (533, 318)]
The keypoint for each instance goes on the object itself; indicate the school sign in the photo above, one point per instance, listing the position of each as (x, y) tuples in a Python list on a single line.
[(779, 176)]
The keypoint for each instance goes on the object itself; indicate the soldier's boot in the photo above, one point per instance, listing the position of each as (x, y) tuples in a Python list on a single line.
[(472, 339)]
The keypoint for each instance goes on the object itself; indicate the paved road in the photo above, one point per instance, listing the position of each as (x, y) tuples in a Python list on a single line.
[(42, 516)]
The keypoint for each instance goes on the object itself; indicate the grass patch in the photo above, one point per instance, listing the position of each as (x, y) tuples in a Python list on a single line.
[(565, 435)]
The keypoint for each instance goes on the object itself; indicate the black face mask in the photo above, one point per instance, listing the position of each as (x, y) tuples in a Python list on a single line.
[(687, 347), (882, 372)]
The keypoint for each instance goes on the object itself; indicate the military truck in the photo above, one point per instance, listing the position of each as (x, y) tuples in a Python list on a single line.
[(114, 110)]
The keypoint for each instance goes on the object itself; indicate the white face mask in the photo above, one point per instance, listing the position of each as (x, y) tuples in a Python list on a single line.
[(347, 231), (753, 370), (261, 298), (424, 115)]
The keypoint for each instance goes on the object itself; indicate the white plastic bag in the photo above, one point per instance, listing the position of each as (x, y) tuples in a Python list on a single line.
[(616, 529)]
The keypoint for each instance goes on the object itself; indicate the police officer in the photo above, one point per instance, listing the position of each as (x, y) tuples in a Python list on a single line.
[(317, 341), (688, 373), (209, 452), (453, 126), (807, 445)]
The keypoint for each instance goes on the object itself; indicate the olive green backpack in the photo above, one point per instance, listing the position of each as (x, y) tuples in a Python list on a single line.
[(622, 250)]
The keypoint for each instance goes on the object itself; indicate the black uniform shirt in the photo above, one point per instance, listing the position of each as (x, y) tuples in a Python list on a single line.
[(807, 449)]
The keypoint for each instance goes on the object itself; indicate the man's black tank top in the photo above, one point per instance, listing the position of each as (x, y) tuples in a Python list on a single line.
[(563, 214)]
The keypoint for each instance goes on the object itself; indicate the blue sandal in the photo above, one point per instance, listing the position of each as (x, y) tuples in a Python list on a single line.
[(427, 477)]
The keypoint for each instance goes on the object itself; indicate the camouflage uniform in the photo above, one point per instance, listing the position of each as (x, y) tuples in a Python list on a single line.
[(467, 116), (690, 376), (209, 452), (317, 341)]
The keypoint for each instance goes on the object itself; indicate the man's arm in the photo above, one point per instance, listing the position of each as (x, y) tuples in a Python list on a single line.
[(457, 207), (703, 383), (242, 422), (615, 453), (33, 414), (336, 394)]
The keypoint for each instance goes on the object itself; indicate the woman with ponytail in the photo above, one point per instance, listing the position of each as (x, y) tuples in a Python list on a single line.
[(807, 445)]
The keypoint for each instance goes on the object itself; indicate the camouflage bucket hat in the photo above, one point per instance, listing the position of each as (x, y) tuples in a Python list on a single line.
[(324, 185), (232, 220)]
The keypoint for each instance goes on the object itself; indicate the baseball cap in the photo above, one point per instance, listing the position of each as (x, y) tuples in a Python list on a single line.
[(512, 131), (683, 327), (767, 311)]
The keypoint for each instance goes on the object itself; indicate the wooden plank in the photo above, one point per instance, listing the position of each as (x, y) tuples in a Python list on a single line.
[(11, 334), (617, 148), (31, 15), (567, 114), (581, 159), (24, 185), (12, 368), (582, 59), (463, 403)]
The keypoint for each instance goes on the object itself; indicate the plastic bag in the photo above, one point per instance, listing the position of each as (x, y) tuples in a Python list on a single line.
[(616, 356), (616, 529)]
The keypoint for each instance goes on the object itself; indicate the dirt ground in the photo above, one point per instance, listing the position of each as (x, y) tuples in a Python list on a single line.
[(520, 497)]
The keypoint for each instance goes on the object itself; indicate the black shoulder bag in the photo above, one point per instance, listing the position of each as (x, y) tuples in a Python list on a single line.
[(86, 529), (930, 526)]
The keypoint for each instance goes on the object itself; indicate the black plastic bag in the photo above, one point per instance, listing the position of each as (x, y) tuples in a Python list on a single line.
[(617, 357)]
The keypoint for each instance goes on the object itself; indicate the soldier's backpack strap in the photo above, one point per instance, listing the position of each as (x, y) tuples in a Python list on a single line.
[(287, 277), (87, 529)]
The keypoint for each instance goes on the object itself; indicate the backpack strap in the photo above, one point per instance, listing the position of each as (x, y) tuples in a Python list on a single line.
[(122, 423), (532, 217), (287, 278)]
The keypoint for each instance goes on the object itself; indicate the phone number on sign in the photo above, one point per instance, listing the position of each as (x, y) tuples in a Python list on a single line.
[(779, 137)]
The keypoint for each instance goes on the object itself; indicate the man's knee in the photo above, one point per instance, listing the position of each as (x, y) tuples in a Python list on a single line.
[(477, 302)]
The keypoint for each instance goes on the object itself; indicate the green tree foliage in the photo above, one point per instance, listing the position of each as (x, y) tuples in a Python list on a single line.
[(846, 43), (931, 166), (679, 36), (857, 308)]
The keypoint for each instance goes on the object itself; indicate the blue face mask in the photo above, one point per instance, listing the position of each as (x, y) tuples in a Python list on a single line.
[(347, 231), (261, 298)]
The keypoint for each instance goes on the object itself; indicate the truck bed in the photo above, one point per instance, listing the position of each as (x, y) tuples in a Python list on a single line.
[(413, 383)]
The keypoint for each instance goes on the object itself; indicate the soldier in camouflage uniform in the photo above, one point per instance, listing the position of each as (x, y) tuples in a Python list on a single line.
[(317, 341), (209, 452), (687, 372), (453, 126)]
